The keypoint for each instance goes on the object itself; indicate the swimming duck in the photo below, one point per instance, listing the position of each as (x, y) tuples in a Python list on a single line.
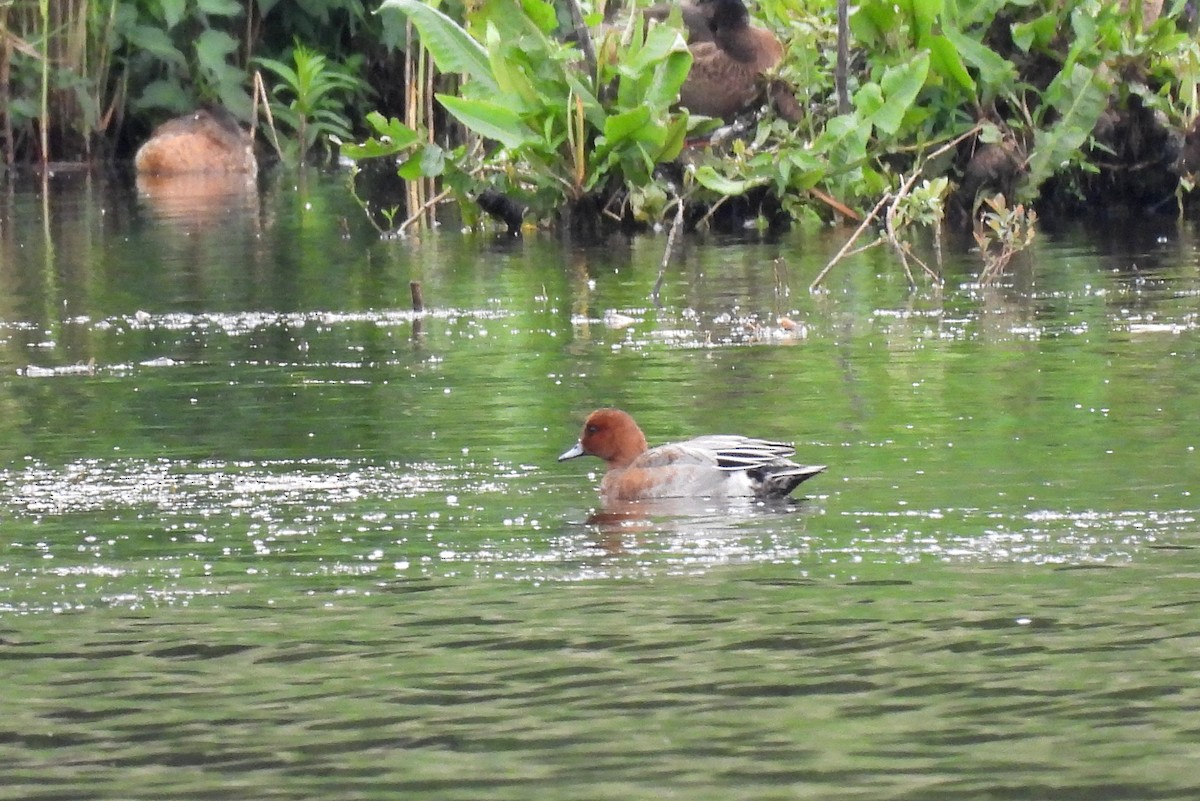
[(721, 466)]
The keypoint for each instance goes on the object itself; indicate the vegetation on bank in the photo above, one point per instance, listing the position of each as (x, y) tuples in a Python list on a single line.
[(87, 80), (1062, 104)]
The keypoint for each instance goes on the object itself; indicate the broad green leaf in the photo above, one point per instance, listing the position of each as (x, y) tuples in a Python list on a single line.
[(173, 11), (925, 14), (900, 85), (213, 47), (233, 96), (220, 8), (453, 50), (709, 178), (165, 95), (674, 139), (663, 91), (626, 124), (661, 41), (946, 62), (807, 170), (1039, 32), (156, 42), (493, 120), (541, 13), (844, 140), (1080, 97), (426, 162), (510, 78), (868, 100), (391, 137), (873, 21), (392, 128), (996, 73)]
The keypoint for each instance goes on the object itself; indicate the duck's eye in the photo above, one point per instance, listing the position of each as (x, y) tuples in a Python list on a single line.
[(592, 428)]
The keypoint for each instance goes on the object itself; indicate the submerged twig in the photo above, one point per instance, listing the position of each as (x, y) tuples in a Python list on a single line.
[(676, 227), (426, 206), (893, 203), (841, 254)]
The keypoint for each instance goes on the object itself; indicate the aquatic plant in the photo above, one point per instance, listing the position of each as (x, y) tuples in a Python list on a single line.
[(1003, 232), (310, 100)]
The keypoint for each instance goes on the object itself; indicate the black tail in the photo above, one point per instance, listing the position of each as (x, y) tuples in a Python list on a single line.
[(778, 480)]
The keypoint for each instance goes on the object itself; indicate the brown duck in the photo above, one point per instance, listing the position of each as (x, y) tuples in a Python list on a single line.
[(695, 18), (727, 69)]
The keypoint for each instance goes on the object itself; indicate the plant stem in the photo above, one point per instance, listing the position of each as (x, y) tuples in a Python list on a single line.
[(44, 8)]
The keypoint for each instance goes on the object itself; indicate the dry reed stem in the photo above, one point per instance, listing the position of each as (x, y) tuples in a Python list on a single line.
[(427, 206)]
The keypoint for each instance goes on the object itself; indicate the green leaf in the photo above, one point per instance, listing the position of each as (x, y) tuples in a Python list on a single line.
[(673, 141), (428, 161), (626, 124), (1080, 97), (995, 72), (807, 169), (173, 11), (899, 86), (156, 42), (946, 61), (392, 129), (868, 100), (1036, 33), (925, 14), (165, 94), (493, 120), (709, 178), (452, 48), (220, 8), (282, 70), (511, 79), (212, 49), (873, 20), (542, 14)]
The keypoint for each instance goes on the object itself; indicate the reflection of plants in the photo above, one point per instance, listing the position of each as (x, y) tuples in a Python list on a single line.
[(310, 101), (1002, 233)]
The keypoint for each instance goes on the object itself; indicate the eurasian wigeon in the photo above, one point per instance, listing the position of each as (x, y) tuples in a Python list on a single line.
[(723, 465)]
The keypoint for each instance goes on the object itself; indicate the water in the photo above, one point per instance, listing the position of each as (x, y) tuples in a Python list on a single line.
[(265, 533)]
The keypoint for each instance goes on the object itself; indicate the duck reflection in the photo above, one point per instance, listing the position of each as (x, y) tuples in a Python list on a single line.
[(621, 527), (198, 169)]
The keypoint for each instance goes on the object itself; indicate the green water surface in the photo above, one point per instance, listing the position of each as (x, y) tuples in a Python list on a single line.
[(267, 533)]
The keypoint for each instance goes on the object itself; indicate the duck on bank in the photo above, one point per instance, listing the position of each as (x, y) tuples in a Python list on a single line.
[(731, 60)]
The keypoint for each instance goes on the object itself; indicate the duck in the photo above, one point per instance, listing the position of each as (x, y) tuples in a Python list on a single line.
[(205, 141), (728, 68), (712, 466), (695, 16)]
